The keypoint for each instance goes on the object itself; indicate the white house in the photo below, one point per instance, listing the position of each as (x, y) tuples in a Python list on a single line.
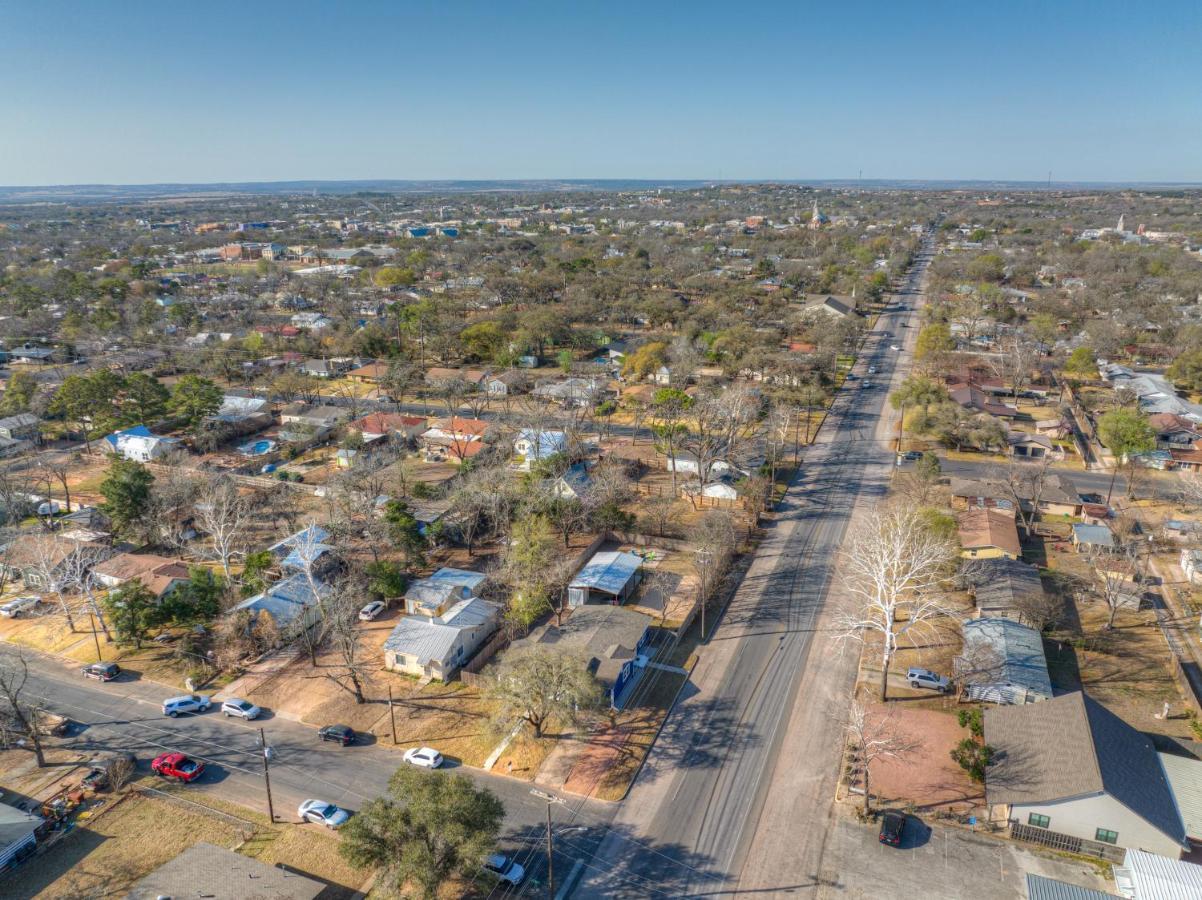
[(139, 445), (1191, 565), (530, 446), (438, 646)]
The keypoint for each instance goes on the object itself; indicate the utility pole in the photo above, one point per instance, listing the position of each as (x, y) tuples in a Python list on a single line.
[(392, 714), (95, 636), (267, 773), (551, 799)]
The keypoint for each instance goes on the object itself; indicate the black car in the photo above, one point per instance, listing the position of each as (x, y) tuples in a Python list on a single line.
[(893, 823), (102, 671), (340, 734)]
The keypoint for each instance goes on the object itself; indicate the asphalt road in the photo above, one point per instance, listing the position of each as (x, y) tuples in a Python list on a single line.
[(126, 714), (688, 824)]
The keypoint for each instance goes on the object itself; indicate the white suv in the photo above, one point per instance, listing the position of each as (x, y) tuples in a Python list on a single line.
[(925, 678), (14, 608), (189, 703)]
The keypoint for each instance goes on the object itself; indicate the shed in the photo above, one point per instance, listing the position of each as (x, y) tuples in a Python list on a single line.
[(1003, 662), (1092, 536), (613, 575)]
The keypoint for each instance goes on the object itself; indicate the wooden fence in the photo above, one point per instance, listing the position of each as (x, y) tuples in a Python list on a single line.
[(470, 674)]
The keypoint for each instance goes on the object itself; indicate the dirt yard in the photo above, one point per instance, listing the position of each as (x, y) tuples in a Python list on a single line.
[(927, 777)]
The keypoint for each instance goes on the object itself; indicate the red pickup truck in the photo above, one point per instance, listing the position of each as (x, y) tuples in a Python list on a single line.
[(176, 765)]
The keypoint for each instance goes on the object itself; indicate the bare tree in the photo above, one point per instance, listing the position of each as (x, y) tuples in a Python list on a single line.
[(1116, 576), (1040, 610), (1015, 362), (223, 514), (714, 543), (342, 614), (894, 568), (1025, 482), (872, 734), (26, 717), (172, 499)]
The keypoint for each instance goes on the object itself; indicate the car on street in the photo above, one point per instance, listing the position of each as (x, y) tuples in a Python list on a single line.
[(178, 766), (188, 703), (372, 610), (894, 347), (426, 757), (339, 734), (243, 709), (925, 678), (14, 608), (893, 823), (101, 671), (506, 869), (872, 370), (322, 813)]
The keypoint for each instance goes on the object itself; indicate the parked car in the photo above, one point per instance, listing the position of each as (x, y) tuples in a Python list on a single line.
[(372, 610), (243, 709), (339, 734), (178, 766), (189, 703), (893, 823), (101, 671), (504, 868), (925, 678), (97, 779), (872, 370), (322, 813), (426, 757), (894, 348), (14, 608)]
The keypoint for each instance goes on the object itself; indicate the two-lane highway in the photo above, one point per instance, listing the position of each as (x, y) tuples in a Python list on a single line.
[(699, 807)]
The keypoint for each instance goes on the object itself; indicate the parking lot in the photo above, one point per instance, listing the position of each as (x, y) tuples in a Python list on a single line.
[(940, 863)]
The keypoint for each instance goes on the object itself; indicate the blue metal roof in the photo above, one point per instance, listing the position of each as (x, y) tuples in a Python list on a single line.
[(608, 572)]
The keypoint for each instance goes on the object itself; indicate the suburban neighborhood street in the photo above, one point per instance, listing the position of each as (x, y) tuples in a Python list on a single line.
[(718, 772)]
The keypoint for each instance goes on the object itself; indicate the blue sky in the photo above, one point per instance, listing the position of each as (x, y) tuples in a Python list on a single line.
[(136, 92)]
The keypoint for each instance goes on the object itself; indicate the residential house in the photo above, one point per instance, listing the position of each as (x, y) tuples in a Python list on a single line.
[(305, 551), (974, 399), (612, 638), (432, 595), (241, 415), (685, 462), (314, 321), (608, 577), (532, 446), (206, 870), (139, 445), (371, 373), (159, 574), (1183, 766), (839, 306), (326, 368), (438, 646), (1092, 537), (454, 436), (293, 604), (572, 484), (1174, 432), (988, 534), (1070, 773), (31, 354), (1001, 586), (301, 422), (1057, 497), (42, 560), (571, 391), (378, 425), (21, 427), (1002, 662), (1149, 876), (505, 384), (1021, 445), (722, 487)]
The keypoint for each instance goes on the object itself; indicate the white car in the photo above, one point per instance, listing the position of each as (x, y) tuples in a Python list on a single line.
[(872, 370), (894, 347), (925, 678), (504, 868), (321, 813), (189, 703), (426, 757), (14, 608), (243, 709), (370, 611)]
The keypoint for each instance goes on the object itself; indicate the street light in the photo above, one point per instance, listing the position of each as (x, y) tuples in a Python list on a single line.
[(551, 799)]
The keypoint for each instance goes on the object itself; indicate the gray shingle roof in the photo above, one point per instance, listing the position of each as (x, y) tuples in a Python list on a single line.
[(999, 583), (608, 634), (1071, 746), (210, 871)]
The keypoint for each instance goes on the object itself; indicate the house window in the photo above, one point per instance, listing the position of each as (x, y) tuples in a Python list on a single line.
[(1106, 836), (1038, 821)]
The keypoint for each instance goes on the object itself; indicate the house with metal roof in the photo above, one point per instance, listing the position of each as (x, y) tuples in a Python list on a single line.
[(612, 639), (139, 444), (999, 586), (1003, 662), (293, 603), (573, 483), (1146, 876), (531, 446), (18, 834), (1185, 778), (1070, 774), (608, 577), (1041, 888), (432, 595), (438, 646)]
